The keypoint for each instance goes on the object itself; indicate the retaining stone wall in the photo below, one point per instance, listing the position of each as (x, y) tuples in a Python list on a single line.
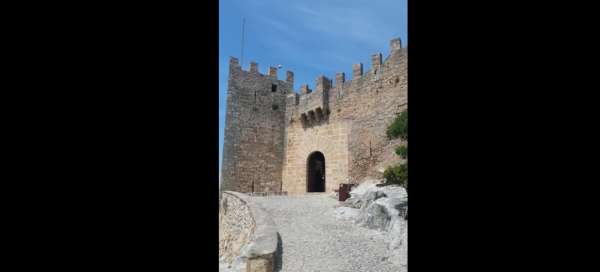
[(246, 231)]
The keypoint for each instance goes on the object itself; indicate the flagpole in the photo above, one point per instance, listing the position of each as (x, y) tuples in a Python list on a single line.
[(242, 47)]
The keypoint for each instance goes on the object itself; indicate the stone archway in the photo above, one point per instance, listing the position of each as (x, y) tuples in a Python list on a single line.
[(315, 172)]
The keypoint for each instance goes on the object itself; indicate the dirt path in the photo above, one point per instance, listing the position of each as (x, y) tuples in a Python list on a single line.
[(312, 239)]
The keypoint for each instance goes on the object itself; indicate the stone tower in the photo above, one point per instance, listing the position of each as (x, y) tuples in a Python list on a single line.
[(253, 150), (277, 139)]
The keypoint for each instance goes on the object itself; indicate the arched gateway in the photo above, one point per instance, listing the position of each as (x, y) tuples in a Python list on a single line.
[(315, 172)]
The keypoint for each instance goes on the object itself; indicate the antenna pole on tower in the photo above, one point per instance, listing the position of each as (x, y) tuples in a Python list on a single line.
[(242, 54)]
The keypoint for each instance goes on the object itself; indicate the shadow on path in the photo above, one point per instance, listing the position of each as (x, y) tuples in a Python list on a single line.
[(278, 255)]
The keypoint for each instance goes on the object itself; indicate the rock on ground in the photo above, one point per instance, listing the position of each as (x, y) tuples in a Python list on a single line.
[(379, 208), (238, 264)]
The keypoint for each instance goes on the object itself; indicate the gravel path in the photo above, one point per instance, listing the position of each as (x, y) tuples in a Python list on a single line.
[(314, 240)]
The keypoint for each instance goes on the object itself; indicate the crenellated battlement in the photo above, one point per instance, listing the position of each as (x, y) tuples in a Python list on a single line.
[(312, 107), (234, 65)]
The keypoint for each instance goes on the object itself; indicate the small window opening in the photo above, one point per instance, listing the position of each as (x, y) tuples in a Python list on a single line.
[(275, 106), (273, 88)]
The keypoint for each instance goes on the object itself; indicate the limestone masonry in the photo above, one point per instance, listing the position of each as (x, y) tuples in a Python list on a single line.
[(272, 132)]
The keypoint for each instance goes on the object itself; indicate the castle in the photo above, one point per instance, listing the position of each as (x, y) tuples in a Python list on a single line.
[(277, 140)]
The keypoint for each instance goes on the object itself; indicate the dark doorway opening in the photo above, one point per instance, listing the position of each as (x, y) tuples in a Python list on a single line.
[(316, 172)]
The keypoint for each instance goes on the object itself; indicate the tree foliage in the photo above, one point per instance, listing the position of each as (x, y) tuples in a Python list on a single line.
[(399, 127), (402, 151), (398, 174)]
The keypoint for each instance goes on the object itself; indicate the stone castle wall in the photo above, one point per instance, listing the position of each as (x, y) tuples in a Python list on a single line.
[(253, 148), (345, 120), (347, 124)]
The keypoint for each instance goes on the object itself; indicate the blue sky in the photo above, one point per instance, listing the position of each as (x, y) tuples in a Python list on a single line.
[(308, 37)]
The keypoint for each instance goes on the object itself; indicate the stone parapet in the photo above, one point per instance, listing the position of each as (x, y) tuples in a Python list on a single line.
[(246, 233)]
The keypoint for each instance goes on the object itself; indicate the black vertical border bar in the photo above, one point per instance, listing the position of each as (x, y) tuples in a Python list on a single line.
[(413, 101)]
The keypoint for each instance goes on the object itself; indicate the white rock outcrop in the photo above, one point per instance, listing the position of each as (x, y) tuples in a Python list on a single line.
[(382, 209)]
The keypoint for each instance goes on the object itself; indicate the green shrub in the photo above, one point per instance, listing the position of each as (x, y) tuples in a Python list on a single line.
[(402, 151), (396, 175), (399, 127)]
